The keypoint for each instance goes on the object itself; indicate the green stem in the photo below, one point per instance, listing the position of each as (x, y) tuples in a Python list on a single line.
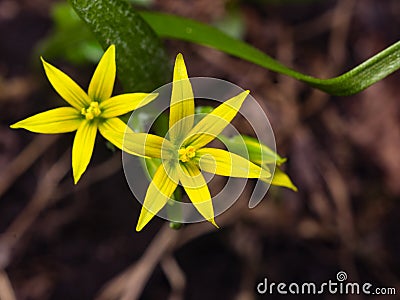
[(173, 211)]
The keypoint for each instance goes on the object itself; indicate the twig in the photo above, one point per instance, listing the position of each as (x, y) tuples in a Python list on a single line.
[(175, 276), (341, 19), (46, 191), (338, 21), (246, 243), (232, 215), (24, 160), (25, 219), (339, 192), (129, 284), (16, 88), (6, 290), (311, 28), (98, 173)]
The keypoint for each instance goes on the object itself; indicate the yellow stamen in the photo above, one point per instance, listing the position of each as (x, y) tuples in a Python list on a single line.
[(92, 111), (186, 154)]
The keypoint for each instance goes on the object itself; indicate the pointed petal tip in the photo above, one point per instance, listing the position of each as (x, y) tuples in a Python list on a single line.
[(14, 126), (111, 49), (281, 161), (44, 62), (76, 178), (212, 221), (143, 219), (253, 203), (141, 223), (245, 94), (290, 187), (139, 228), (265, 174), (179, 59), (102, 83)]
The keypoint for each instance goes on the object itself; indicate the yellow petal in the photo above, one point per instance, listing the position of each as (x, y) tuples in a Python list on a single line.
[(66, 87), (102, 83), (280, 178), (140, 144), (215, 122), (197, 190), (221, 162), (148, 145), (58, 120), (113, 130), (122, 104), (159, 192), (182, 102), (83, 148)]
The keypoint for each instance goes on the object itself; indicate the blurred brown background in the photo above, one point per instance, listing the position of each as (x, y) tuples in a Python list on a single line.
[(59, 241)]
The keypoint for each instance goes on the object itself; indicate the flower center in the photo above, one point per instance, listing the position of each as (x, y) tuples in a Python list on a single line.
[(92, 111), (186, 154)]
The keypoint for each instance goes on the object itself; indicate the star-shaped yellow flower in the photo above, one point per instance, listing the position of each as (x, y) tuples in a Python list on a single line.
[(184, 154), (88, 111)]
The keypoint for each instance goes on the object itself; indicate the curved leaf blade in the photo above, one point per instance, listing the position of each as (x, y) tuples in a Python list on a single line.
[(142, 62), (351, 82)]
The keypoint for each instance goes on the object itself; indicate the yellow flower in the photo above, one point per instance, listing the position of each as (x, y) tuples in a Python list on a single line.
[(184, 154), (88, 111)]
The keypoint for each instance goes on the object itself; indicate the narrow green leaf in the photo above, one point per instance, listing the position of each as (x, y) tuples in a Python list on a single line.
[(252, 149), (351, 82), (141, 60)]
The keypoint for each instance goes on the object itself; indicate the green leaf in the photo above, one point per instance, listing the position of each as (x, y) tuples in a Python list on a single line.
[(200, 112), (69, 39), (260, 154), (252, 149), (142, 63), (141, 2), (351, 82), (232, 24)]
